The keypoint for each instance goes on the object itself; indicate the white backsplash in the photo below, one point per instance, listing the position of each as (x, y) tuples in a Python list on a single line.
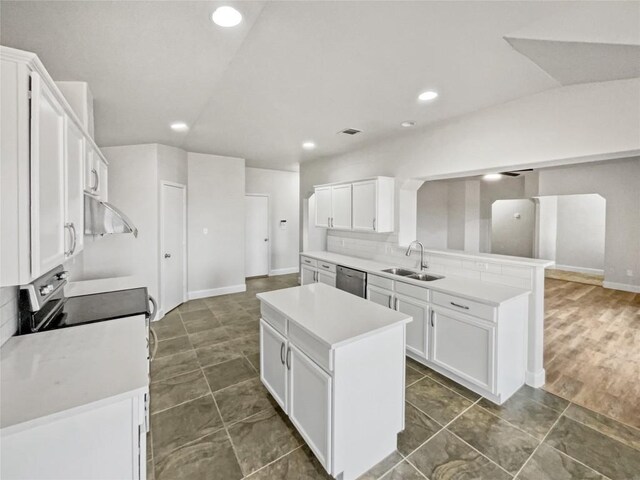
[(8, 313), (384, 249)]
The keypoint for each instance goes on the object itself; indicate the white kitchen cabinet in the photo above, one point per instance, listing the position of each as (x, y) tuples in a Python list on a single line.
[(327, 278), (464, 345), (341, 207), (323, 207), (366, 205), (308, 275), (380, 296), (418, 330), (74, 186), (47, 178), (96, 174), (310, 404), (103, 179), (80, 99), (273, 369)]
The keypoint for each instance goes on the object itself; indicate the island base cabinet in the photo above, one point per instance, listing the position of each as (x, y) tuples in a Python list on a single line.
[(105, 442), (273, 370), (464, 346), (310, 404)]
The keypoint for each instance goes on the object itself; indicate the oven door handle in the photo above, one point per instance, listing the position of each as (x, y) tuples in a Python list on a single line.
[(152, 315), (48, 317)]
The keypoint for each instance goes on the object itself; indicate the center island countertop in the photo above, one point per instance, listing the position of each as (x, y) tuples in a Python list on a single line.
[(330, 315)]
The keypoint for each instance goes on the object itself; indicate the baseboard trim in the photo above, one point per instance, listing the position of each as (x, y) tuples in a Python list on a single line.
[(626, 287), (214, 292), (569, 268), (535, 379), (283, 271)]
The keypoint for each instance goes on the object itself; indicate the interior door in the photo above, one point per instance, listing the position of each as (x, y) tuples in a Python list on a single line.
[(256, 236), (74, 174), (417, 330), (364, 205), (173, 245), (341, 207), (323, 206), (47, 179), (273, 371)]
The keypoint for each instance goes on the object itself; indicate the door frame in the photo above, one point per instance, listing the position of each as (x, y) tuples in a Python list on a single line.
[(268, 197), (166, 183)]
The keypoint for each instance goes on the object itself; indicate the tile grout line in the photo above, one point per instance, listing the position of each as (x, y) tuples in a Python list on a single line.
[(483, 454), (274, 461), (541, 442), (608, 418), (577, 461), (517, 427), (181, 403)]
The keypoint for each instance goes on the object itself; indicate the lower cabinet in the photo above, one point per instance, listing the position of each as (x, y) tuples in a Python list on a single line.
[(464, 346), (328, 278), (273, 371), (308, 275), (418, 330), (310, 403), (380, 296)]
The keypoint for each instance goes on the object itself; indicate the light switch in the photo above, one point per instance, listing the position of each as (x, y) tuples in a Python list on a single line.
[(205, 231)]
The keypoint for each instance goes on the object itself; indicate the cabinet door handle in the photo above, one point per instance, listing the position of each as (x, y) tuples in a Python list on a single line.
[(315, 276), (75, 238), (389, 301), (374, 224), (288, 358), (459, 306), (96, 178), (67, 226), (396, 304), (282, 353), (432, 319), (329, 222)]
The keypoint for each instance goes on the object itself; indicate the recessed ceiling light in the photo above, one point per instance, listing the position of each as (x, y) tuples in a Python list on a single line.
[(428, 95), (179, 126), (408, 124), (492, 177), (308, 145), (226, 17)]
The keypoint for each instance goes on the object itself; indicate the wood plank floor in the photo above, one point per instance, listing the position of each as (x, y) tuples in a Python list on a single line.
[(592, 348)]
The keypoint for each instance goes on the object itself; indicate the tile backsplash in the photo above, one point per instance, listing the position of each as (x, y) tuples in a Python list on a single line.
[(8, 313)]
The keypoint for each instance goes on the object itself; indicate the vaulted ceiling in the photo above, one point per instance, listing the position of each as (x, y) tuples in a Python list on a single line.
[(290, 72)]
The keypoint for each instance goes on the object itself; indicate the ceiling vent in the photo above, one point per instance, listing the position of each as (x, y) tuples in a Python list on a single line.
[(350, 131)]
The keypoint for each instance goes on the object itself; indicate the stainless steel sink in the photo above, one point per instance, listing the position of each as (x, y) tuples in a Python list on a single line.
[(403, 272), (425, 277)]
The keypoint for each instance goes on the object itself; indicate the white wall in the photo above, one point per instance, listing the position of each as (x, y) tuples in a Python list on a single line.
[(546, 227), (433, 214), (456, 222), (513, 227), (172, 164), (472, 216), (618, 183), (581, 232), (284, 204), (505, 188), (216, 189)]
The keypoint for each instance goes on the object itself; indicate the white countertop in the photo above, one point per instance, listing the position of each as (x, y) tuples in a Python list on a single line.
[(88, 287), (485, 292), (332, 316), (51, 374)]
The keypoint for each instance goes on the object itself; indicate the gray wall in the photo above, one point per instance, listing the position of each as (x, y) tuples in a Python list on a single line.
[(513, 227)]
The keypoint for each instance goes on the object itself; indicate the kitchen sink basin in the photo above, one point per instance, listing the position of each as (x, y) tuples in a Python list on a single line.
[(399, 271), (425, 277)]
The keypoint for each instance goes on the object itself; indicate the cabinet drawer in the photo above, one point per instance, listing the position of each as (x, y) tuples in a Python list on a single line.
[(313, 348), (329, 267), (274, 318), (381, 282), (414, 291), (463, 305), (309, 261)]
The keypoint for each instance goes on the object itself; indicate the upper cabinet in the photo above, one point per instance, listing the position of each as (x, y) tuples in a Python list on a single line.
[(46, 151), (366, 205)]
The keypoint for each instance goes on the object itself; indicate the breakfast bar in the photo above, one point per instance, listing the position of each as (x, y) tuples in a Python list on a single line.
[(335, 364)]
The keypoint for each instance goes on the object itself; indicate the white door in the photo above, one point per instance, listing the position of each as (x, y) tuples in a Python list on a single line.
[(256, 235), (310, 403), (341, 207), (307, 275), (328, 278), (464, 346), (47, 179), (74, 198), (418, 330), (273, 370), (364, 206), (379, 296), (173, 245), (323, 206)]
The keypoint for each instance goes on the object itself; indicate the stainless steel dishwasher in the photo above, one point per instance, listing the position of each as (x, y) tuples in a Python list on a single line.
[(352, 281)]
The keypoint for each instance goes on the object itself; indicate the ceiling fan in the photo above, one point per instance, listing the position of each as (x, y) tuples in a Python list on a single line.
[(516, 173)]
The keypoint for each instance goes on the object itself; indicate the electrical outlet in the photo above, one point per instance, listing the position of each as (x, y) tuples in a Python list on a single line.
[(482, 265), (205, 231)]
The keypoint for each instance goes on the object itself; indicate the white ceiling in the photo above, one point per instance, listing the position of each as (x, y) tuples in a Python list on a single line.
[(292, 71)]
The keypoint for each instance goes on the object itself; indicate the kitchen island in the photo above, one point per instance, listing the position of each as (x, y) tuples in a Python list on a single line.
[(335, 364)]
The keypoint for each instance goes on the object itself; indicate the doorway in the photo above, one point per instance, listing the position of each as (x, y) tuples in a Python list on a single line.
[(256, 235), (173, 202)]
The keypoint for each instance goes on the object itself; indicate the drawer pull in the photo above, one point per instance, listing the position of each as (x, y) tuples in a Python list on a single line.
[(307, 261), (282, 353), (325, 266), (289, 358), (459, 306)]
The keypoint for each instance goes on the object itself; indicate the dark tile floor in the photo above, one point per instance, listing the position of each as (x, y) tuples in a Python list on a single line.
[(212, 419)]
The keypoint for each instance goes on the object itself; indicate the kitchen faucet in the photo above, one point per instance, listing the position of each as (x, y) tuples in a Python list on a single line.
[(423, 265)]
